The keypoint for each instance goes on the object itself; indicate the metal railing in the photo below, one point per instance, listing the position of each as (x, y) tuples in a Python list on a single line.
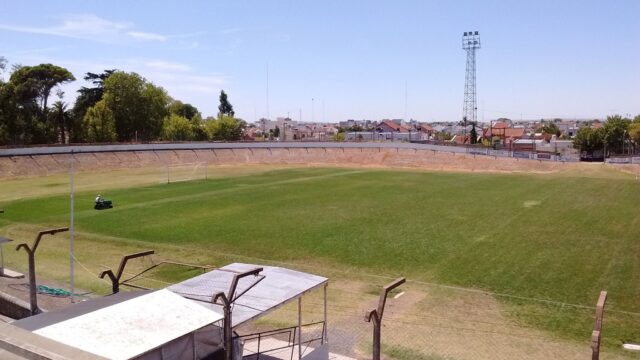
[(288, 333)]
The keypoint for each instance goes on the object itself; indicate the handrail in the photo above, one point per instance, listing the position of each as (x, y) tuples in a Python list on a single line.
[(281, 329), (291, 341)]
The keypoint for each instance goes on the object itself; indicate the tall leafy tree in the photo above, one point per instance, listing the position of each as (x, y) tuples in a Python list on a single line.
[(551, 128), (177, 128), (225, 107), (61, 117), (99, 123), (87, 97), (5, 105), (36, 82), (139, 107), (634, 130), (589, 139), (615, 130), (24, 101), (187, 111), (225, 128)]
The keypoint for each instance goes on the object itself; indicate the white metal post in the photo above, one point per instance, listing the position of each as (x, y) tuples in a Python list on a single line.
[(326, 325), (71, 228), (300, 327)]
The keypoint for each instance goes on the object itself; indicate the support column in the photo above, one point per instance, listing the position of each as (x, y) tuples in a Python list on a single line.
[(325, 337), (300, 327)]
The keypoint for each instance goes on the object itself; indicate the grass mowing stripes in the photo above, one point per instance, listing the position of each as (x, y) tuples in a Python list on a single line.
[(553, 237)]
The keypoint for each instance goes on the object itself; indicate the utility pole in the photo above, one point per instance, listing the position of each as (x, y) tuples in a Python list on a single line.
[(267, 90)]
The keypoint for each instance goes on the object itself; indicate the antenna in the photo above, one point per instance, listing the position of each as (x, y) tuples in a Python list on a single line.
[(470, 42), (405, 100), (268, 91)]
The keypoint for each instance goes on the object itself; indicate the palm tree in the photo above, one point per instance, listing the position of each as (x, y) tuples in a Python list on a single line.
[(60, 116)]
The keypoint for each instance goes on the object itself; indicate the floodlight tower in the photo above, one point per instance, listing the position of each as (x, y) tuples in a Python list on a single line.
[(470, 42)]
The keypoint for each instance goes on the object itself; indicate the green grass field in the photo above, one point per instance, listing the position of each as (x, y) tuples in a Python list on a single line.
[(555, 237)]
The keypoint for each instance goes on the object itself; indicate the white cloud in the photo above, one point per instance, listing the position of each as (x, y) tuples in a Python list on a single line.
[(144, 36), (231, 30), (166, 65), (90, 27)]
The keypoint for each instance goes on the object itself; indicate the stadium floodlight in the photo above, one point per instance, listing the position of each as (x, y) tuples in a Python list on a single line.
[(470, 43)]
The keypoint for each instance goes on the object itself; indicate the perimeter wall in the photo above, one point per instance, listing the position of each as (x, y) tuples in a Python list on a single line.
[(45, 160)]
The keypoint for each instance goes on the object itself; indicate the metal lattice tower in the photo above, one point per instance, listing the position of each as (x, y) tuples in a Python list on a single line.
[(470, 42)]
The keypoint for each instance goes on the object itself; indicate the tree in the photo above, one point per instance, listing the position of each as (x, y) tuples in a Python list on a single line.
[(23, 103), (634, 130), (614, 132), (87, 97), (225, 107), (138, 106), (100, 123), (37, 82), (177, 128), (551, 128), (473, 134), (225, 128), (589, 139), (187, 111), (199, 129), (61, 117), (276, 132)]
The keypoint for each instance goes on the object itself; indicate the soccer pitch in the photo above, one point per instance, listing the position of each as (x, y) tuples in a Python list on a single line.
[(557, 237)]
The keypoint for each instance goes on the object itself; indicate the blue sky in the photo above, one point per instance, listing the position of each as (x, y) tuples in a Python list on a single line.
[(353, 58)]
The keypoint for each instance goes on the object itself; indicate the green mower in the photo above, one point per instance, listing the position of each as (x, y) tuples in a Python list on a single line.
[(102, 204)]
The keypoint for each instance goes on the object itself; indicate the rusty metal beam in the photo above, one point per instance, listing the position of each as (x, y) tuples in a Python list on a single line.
[(31, 253), (115, 278), (376, 314), (596, 335), (226, 300)]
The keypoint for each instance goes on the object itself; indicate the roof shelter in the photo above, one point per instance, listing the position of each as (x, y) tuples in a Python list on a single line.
[(279, 287), (181, 321), (257, 297), (140, 325)]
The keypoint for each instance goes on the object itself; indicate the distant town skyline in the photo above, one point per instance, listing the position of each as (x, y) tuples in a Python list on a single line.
[(355, 59)]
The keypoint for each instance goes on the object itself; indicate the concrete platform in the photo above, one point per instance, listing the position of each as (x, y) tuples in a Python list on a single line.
[(250, 348), (8, 273)]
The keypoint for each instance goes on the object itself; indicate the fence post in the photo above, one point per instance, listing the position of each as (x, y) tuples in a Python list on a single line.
[(376, 315), (226, 300), (31, 252), (115, 278), (596, 335)]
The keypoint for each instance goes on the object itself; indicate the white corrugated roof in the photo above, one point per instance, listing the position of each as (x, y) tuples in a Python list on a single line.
[(132, 327), (279, 286)]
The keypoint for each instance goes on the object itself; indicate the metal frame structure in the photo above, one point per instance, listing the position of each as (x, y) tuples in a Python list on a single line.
[(470, 43), (226, 300), (31, 252), (115, 278), (292, 339), (3, 240), (376, 314)]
